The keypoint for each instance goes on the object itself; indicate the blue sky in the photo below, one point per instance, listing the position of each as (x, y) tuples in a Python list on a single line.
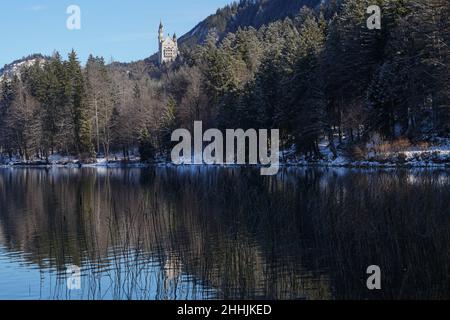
[(115, 29)]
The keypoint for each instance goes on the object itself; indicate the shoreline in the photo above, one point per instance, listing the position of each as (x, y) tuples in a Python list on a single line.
[(288, 164)]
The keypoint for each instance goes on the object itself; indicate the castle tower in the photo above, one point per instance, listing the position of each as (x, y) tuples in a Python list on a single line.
[(168, 47), (161, 33)]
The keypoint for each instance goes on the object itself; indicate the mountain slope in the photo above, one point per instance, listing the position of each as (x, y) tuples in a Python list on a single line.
[(9, 70), (245, 13), (230, 18)]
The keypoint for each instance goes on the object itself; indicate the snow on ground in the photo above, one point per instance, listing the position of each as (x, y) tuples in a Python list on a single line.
[(57, 158), (436, 154)]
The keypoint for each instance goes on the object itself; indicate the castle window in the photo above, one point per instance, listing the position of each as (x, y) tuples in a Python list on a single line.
[(168, 53)]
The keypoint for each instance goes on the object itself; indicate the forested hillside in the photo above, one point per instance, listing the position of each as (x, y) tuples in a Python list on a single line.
[(16, 66), (319, 76), (245, 13)]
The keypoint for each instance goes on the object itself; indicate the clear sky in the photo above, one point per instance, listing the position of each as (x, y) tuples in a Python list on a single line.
[(122, 30)]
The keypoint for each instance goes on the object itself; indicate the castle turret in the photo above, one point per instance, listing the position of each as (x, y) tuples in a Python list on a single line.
[(161, 32)]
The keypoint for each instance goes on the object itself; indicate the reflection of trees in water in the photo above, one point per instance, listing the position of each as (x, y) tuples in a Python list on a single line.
[(302, 234)]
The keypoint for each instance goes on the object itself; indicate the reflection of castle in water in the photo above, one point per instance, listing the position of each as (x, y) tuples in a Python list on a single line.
[(172, 267), (221, 233)]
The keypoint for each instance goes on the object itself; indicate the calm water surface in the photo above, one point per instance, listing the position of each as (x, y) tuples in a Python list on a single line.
[(208, 233)]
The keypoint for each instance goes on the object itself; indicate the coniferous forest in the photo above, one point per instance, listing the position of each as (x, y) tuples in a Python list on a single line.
[(320, 75)]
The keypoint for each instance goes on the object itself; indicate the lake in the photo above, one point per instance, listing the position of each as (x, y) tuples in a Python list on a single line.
[(224, 233)]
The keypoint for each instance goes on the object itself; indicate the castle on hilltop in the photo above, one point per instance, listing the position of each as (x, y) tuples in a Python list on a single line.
[(168, 47)]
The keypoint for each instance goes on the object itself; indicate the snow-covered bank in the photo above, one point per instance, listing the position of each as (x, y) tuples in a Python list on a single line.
[(436, 155), (418, 161), (57, 160)]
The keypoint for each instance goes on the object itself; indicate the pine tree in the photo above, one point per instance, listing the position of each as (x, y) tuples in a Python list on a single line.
[(169, 124), (77, 102), (9, 93), (353, 53), (146, 149)]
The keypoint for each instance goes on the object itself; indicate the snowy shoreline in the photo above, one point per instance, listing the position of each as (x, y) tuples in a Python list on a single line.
[(434, 156), (339, 163)]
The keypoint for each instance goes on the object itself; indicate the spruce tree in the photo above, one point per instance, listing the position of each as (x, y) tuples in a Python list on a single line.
[(77, 102)]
